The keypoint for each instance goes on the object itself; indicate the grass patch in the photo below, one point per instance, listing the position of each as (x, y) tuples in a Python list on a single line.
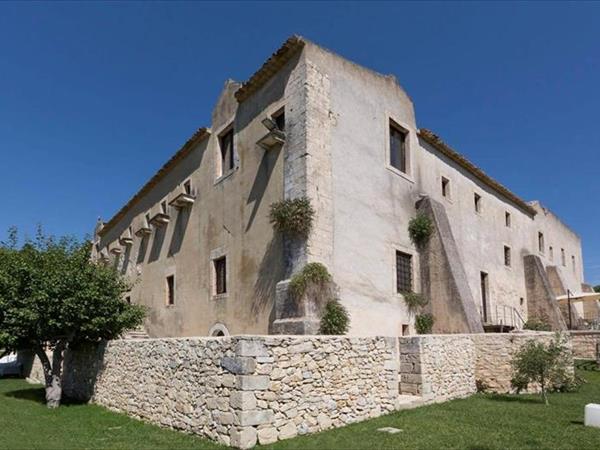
[(26, 423), (483, 421)]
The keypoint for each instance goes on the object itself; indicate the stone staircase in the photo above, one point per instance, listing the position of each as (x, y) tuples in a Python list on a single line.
[(137, 333)]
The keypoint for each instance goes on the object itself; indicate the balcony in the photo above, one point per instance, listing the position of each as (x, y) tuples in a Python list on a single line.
[(183, 200), (160, 219)]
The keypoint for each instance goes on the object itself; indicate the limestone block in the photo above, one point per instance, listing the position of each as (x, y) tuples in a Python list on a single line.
[(247, 347), (267, 435), (239, 365), (243, 438), (288, 431), (252, 382), (255, 417), (243, 400)]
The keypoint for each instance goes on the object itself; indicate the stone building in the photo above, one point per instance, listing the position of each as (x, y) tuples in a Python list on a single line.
[(197, 244)]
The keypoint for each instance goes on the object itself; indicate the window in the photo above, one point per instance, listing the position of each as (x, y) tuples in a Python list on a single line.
[(163, 207), (279, 119), (187, 187), (484, 296), (405, 329), (171, 290), (403, 272), (573, 263), (220, 275), (551, 253), (445, 187), (227, 156), (521, 301), (507, 219), (562, 257), (477, 203), (398, 156), (128, 299), (541, 242), (507, 256)]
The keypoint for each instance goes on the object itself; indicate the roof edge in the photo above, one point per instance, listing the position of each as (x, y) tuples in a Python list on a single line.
[(184, 151), (276, 61), (433, 139)]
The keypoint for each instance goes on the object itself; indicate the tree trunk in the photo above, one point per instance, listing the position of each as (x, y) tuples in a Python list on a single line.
[(52, 373)]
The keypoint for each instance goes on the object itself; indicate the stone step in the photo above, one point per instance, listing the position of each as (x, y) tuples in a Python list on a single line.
[(410, 401)]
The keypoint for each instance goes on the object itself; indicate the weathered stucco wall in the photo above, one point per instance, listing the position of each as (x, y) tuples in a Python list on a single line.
[(585, 344)]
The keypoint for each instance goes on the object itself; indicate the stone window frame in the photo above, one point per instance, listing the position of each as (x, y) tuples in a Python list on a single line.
[(507, 219), (477, 203), (507, 256), (415, 268), (446, 187), (168, 274), (563, 257), (541, 243), (215, 255), (220, 173), (391, 121)]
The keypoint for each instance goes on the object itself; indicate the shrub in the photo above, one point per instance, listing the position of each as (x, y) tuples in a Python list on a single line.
[(335, 318), (420, 229), (424, 323), (548, 365), (414, 301), (311, 274), (537, 324), (293, 217)]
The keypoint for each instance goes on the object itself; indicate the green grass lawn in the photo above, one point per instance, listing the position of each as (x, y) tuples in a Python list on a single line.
[(479, 422)]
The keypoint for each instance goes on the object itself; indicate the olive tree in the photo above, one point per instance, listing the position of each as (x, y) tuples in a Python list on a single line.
[(53, 297)]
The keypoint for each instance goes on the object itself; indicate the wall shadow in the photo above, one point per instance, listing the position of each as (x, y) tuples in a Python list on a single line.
[(261, 181), (126, 260), (181, 223), (141, 256), (157, 243), (271, 270)]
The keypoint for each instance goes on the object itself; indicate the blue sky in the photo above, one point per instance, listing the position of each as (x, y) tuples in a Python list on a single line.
[(95, 97)]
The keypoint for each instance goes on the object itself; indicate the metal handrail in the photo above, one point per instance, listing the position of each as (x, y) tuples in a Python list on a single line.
[(507, 316)]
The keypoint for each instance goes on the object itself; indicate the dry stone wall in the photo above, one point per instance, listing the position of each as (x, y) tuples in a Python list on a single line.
[(585, 344), (248, 390)]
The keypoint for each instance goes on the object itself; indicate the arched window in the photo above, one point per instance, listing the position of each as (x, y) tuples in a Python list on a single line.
[(218, 330)]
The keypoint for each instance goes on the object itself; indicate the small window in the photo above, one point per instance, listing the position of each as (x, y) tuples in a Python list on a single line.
[(573, 263), (227, 152), (171, 290), (398, 156), (507, 219), (521, 301), (128, 299), (563, 259), (507, 256), (477, 203), (163, 207), (147, 217), (405, 329), (187, 187), (403, 272), (445, 187), (551, 253), (220, 275), (279, 119), (541, 242)]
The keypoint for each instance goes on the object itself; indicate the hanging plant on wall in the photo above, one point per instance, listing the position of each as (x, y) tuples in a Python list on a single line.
[(313, 275), (424, 323), (420, 229), (335, 319), (414, 301), (293, 217)]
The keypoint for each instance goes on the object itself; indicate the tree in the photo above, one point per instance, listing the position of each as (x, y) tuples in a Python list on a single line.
[(547, 365), (52, 296), (597, 288)]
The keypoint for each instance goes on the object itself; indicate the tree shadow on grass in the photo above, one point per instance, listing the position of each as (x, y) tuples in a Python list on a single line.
[(513, 398), (38, 395)]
